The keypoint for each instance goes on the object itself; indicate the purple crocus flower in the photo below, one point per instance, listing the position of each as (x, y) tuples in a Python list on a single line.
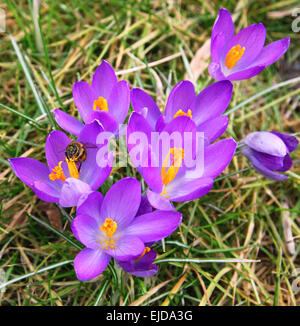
[(105, 100), (241, 56), (269, 152), (205, 109), (63, 181), (176, 182), (109, 227)]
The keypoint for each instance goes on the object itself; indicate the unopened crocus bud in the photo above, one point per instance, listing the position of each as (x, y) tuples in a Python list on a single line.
[(269, 151)]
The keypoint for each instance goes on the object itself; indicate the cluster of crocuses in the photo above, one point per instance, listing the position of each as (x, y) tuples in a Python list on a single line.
[(125, 223)]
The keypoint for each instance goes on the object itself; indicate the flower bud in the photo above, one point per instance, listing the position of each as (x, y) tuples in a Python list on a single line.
[(268, 151)]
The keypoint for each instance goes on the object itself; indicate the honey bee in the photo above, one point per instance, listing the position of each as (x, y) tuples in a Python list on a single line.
[(76, 151)]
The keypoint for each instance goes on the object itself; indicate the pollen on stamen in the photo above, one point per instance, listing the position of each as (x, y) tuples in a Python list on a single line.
[(177, 155), (164, 192), (57, 173), (180, 113), (107, 241), (233, 56), (72, 168), (100, 104)]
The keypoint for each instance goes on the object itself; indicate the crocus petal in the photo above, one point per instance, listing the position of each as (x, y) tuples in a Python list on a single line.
[(91, 205), (29, 170), (127, 247), (32, 172), (247, 73), (153, 269), (46, 191), (122, 201), (188, 189), (108, 121), (145, 206), (141, 100), (159, 202), (223, 24), (71, 192), (119, 100), (266, 142), (154, 226), (84, 97), (67, 122), (89, 133), (141, 267), (217, 47), (145, 261), (150, 170), (272, 52), (86, 230), (290, 141), (160, 124), (215, 71), (214, 128), (212, 101), (55, 147), (217, 156), (90, 263), (253, 39), (287, 164), (269, 161), (91, 173), (181, 98), (269, 174), (137, 125), (259, 167), (104, 80), (181, 125), (98, 173)]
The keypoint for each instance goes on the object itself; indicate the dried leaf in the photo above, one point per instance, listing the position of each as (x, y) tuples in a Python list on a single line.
[(52, 214), (287, 230), (200, 61)]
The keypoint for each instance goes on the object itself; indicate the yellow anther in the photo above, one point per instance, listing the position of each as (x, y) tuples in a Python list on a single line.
[(108, 244), (109, 227), (164, 192), (233, 56), (146, 250), (180, 113), (72, 168), (58, 173), (100, 104), (176, 155)]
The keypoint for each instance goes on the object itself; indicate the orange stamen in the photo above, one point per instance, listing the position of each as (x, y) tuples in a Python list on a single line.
[(170, 174), (109, 227), (100, 104), (58, 173), (146, 250), (180, 113), (72, 168), (233, 56)]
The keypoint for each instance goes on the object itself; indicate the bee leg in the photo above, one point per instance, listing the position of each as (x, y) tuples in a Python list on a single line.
[(79, 168)]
